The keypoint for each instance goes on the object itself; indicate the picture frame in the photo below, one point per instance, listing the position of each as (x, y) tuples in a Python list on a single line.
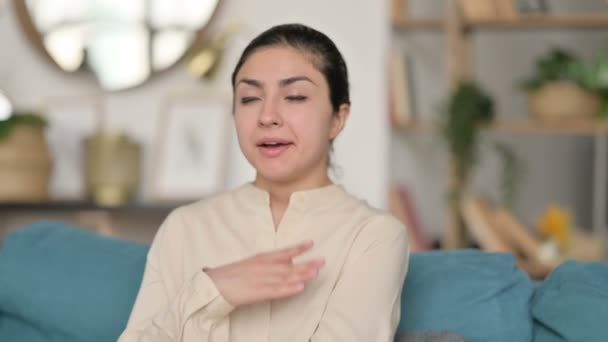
[(69, 121), (192, 145)]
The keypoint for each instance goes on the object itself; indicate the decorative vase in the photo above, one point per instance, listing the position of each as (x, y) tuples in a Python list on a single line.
[(112, 166), (563, 101), (25, 166)]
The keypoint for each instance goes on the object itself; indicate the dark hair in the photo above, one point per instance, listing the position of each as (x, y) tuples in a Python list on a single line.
[(326, 56)]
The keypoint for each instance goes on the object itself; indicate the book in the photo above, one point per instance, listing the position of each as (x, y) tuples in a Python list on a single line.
[(526, 248), (400, 89), (478, 10), (399, 10), (517, 234), (479, 221), (506, 9), (402, 207)]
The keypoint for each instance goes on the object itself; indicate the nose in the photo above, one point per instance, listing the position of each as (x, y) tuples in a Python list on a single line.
[(270, 116)]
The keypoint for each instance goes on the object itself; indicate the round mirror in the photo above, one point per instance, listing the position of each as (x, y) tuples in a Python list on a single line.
[(6, 109), (123, 42)]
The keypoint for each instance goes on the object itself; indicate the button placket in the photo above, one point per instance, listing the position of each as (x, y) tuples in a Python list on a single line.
[(285, 228)]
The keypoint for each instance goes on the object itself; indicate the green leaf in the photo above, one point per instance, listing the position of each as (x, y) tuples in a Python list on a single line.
[(468, 109), (557, 65), (20, 119), (599, 73), (603, 107), (5, 128)]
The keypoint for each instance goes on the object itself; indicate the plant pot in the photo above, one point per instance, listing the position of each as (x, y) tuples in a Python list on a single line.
[(112, 165), (563, 101), (25, 166)]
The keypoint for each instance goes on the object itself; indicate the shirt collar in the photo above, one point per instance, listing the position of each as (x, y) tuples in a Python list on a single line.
[(305, 200)]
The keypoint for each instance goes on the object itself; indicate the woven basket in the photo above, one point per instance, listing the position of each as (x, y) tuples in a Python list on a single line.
[(563, 101), (25, 166)]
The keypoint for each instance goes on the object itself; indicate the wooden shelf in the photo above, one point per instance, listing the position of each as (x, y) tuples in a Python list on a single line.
[(528, 21), (597, 20), (531, 126), (527, 126), (70, 206), (418, 24)]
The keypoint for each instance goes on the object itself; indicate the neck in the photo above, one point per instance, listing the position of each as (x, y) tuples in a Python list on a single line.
[(280, 192)]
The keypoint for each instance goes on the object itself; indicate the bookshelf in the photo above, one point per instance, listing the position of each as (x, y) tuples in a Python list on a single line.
[(456, 29)]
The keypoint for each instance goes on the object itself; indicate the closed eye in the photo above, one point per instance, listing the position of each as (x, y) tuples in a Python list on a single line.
[(248, 99), (296, 98)]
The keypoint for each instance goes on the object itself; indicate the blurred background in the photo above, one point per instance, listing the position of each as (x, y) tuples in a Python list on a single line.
[(477, 123)]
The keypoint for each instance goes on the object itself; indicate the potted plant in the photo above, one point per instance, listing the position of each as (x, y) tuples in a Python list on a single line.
[(25, 164), (563, 87), (468, 110), (595, 78)]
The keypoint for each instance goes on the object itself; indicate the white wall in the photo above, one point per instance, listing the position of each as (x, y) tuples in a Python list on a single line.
[(359, 28)]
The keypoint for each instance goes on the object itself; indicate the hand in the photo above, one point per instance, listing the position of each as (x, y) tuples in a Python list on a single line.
[(265, 276)]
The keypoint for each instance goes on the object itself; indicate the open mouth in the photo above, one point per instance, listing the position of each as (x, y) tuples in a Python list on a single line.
[(271, 145), (274, 148)]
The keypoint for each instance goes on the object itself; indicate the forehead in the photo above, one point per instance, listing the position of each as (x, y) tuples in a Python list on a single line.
[(279, 62)]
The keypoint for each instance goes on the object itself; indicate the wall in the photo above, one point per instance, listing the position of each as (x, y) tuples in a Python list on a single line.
[(361, 35), (558, 167)]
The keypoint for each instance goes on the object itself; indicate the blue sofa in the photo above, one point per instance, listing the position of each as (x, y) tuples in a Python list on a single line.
[(60, 283)]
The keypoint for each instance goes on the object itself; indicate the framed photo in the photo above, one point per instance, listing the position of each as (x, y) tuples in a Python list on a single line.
[(70, 120), (191, 151)]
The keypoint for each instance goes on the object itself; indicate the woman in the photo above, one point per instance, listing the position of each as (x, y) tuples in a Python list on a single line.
[(290, 256)]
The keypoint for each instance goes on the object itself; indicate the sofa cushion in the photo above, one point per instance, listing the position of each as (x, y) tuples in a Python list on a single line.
[(71, 284), (481, 296), (572, 304)]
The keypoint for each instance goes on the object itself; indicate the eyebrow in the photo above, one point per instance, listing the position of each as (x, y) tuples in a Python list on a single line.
[(282, 83), (291, 80)]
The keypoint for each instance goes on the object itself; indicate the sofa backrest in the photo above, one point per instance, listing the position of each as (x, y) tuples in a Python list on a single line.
[(481, 296), (572, 304), (60, 283)]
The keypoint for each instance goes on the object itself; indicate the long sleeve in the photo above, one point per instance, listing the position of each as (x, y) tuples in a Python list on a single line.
[(365, 303), (169, 305)]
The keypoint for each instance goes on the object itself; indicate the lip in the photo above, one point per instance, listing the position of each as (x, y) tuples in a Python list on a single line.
[(275, 151), (276, 140)]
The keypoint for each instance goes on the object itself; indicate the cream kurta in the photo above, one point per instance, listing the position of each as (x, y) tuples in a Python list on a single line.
[(356, 296)]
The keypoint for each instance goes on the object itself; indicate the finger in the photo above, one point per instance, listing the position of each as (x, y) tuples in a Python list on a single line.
[(274, 274), (285, 291), (304, 275), (281, 273), (316, 264), (276, 269), (289, 253)]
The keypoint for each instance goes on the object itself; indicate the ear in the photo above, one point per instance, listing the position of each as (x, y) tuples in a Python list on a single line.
[(339, 120)]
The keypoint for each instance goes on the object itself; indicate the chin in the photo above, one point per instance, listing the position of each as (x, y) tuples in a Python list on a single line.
[(277, 176)]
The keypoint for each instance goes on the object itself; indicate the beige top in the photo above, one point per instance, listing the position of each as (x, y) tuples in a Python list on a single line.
[(356, 296)]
